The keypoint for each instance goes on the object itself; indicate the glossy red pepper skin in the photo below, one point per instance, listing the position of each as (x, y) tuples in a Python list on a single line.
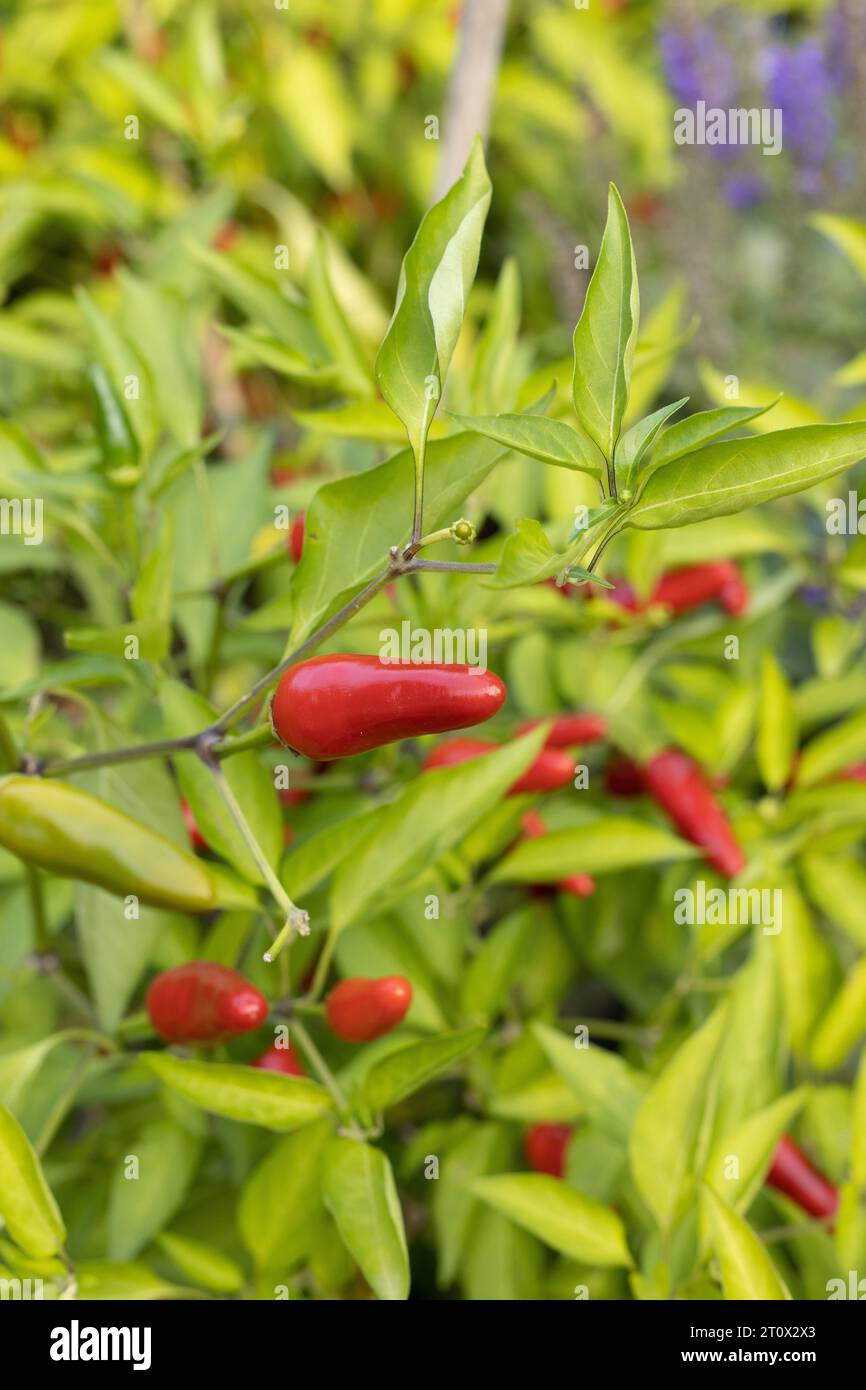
[(623, 777), (545, 1148), (792, 1172), (359, 1010), (578, 885), (336, 706), (684, 589), (202, 1002), (552, 767), (284, 1060), (296, 538), (570, 729), (678, 786)]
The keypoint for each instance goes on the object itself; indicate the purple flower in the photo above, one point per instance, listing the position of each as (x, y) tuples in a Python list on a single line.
[(743, 191), (799, 84), (697, 67)]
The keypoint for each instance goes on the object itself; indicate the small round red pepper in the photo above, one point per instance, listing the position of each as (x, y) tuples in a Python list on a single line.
[(282, 1059), (578, 885), (679, 787), (336, 706), (569, 729), (202, 1002), (545, 1148), (359, 1010), (792, 1172), (552, 767)]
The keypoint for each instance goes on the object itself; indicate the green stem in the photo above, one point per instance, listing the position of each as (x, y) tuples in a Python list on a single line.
[(329, 1081), (323, 965), (63, 1104), (37, 907)]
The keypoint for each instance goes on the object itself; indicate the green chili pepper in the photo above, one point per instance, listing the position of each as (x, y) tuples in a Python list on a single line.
[(26, 1204), (70, 832)]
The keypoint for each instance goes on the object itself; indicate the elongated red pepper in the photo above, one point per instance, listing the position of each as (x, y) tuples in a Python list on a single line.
[(623, 777), (296, 538), (282, 1059), (792, 1172), (196, 839), (545, 1148), (570, 729), (579, 885), (678, 786), (359, 1010), (202, 1002), (684, 589), (552, 767), (336, 706)]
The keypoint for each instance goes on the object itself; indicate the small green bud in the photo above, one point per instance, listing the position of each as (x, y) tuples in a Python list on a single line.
[(463, 532)]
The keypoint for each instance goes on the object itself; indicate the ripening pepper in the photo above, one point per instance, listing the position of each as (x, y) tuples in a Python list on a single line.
[(566, 730), (552, 767), (359, 1010), (282, 1059), (545, 1148), (202, 1002), (578, 885), (791, 1172), (336, 706), (69, 832), (679, 787)]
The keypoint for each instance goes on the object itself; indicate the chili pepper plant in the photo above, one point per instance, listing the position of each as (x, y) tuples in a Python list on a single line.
[(304, 996)]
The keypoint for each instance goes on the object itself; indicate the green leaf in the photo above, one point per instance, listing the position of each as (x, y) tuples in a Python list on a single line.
[(334, 327), (203, 1265), (368, 419), (153, 639), (836, 885), (806, 970), (242, 1093), (777, 725), (280, 1204), (843, 1023), (115, 951), (545, 1099), (551, 441), (488, 978), (27, 1207), (435, 279), (411, 1067), (747, 1270), (139, 1206), (161, 325), (606, 334), (433, 813), (833, 750), (340, 556), (738, 473), (752, 1144), (606, 845), (848, 233), (698, 430), (664, 1138), (261, 299), (359, 1192), (608, 1089), (484, 1149), (562, 1218), (636, 442)]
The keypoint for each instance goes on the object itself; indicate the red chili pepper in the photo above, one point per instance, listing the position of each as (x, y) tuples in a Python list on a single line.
[(579, 885), (679, 787), (293, 796), (684, 589), (735, 596), (856, 773), (569, 729), (623, 777), (203, 1002), (360, 1010), (336, 706), (281, 1059), (225, 236), (196, 839), (545, 1147), (791, 1172), (552, 767), (296, 538)]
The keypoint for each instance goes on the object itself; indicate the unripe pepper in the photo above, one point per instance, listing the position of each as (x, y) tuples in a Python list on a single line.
[(569, 729), (678, 786), (281, 1059), (791, 1172), (336, 706), (578, 885), (552, 767), (360, 1010), (545, 1147), (69, 832), (202, 1002)]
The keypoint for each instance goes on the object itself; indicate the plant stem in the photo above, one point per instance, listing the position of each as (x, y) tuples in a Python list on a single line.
[(296, 919), (329, 1081), (447, 566)]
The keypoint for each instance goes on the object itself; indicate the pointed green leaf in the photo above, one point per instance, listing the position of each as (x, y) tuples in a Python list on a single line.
[(605, 845), (608, 1089), (411, 1067), (242, 1093), (636, 442), (26, 1204), (747, 1270), (777, 725), (562, 1218), (694, 433), (551, 441), (360, 1194)]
